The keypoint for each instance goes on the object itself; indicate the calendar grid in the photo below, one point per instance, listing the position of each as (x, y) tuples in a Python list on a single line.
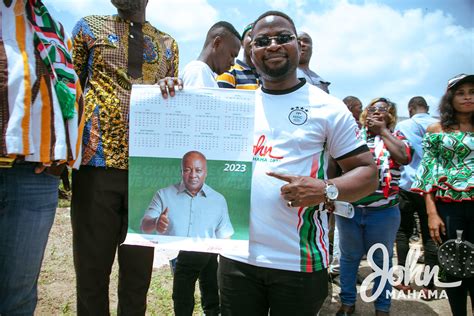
[(217, 122)]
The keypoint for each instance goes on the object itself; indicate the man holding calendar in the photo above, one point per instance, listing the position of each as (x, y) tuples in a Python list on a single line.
[(298, 127)]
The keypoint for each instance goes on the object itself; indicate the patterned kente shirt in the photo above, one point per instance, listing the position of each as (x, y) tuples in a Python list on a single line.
[(31, 122), (101, 56), (386, 194), (447, 167)]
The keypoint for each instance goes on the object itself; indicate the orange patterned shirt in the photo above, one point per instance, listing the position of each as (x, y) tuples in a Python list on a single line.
[(100, 53)]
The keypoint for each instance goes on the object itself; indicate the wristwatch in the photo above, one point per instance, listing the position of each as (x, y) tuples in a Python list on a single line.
[(331, 192)]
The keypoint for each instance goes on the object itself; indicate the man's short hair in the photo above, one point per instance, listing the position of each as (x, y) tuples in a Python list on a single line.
[(350, 101), (418, 102), (301, 33), (276, 13), (193, 152), (221, 28)]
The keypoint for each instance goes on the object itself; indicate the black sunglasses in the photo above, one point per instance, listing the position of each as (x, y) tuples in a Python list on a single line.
[(280, 39)]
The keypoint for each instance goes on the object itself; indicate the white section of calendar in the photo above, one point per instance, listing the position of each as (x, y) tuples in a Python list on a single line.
[(216, 122)]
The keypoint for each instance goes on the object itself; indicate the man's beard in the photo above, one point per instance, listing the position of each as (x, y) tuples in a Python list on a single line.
[(129, 5), (277, 72)]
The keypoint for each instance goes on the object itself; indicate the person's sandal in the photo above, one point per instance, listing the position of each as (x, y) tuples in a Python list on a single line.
[(345, 310), (404, 288), (427, 295)]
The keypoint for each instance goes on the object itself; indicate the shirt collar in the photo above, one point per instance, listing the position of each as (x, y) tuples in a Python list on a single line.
[(120, 19), (204, 190), (420, 115), (242, 64)]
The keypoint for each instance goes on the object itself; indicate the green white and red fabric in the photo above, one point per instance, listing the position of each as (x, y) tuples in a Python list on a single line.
[(447, 167), (31, 120), (50, 41), (280, 237), (386, 194)]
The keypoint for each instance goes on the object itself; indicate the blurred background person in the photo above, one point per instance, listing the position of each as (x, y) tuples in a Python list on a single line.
[(446, 177), (221, 47), (303, 70), (377, 216), (412, 203), (218, 54), (242, 75), (355, 106)]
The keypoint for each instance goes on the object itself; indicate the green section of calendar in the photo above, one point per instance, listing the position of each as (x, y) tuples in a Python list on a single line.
[(230, 178)]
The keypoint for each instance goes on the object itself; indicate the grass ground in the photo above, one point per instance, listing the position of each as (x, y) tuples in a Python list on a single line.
[(57, 294), (56, 285)]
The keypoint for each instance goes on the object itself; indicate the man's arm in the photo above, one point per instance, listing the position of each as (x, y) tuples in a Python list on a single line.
[(358, 180), (80, 52), (173, 70), (224, 229)]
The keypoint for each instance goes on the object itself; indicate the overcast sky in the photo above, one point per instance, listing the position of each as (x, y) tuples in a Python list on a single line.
[(392, 48)]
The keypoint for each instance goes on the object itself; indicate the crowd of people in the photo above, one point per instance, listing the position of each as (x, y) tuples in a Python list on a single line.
[(65, 104)]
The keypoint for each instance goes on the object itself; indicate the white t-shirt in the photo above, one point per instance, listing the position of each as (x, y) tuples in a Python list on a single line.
[(295, 133), (198, 74)]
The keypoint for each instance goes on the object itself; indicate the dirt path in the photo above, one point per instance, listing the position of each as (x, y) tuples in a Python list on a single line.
[(57, 294)]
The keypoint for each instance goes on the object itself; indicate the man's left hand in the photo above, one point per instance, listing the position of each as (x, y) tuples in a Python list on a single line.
[(301, 191), (55, 170), (168, 86)]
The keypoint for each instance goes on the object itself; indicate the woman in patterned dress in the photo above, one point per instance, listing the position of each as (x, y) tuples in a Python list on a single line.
[(377, 216), (446, 176)]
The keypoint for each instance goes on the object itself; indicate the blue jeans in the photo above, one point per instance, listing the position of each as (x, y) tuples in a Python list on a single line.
[(368, 227), (28, 204)]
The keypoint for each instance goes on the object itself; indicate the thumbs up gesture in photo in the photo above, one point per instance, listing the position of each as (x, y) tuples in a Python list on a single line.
[(162, 222)]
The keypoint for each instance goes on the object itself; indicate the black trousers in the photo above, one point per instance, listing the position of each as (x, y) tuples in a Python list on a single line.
[(248, 290), (190, 266), (99, 216), (458, 216), (409, 204)]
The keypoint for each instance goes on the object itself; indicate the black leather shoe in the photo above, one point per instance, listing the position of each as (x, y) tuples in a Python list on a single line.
[(346, 310), (381, 313)]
